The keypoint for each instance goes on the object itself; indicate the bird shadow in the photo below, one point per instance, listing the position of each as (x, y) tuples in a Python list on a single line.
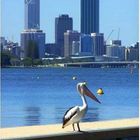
[(84, 132)]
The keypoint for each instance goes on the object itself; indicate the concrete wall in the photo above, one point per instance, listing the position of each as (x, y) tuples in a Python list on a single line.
[(126, 129)]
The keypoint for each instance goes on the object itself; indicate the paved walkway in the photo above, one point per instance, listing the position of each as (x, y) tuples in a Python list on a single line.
[(33, 131)]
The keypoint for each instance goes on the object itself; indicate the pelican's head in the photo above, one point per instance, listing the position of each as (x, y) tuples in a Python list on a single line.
[(83, 90)]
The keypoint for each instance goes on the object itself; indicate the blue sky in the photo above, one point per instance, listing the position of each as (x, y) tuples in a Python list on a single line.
[(114, 14)]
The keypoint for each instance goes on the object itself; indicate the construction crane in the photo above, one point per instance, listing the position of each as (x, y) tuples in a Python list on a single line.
[(109, 36), (118, 33)]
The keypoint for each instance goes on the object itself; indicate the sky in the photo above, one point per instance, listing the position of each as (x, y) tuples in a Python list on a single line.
[(114, 15)]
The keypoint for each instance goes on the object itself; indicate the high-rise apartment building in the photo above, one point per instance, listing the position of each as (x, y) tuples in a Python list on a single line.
[(89, 16), (32, 14), (62, 24)]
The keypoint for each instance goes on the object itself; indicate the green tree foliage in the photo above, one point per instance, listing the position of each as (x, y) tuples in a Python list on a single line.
[(27, 61), (32, 50), (37, 62), (15, 61), (5, 59)]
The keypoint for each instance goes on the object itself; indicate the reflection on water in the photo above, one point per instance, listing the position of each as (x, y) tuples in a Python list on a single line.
[(32, 116), (92, 115)]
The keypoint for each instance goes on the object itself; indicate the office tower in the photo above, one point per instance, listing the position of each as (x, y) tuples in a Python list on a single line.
[(86, 43), (62, 24), (32, 14), (89, 16), (99, 47), (32, 38), (116, 51), (132, 53), (16, 51), (69, 37), (33, 44), (50, 49)]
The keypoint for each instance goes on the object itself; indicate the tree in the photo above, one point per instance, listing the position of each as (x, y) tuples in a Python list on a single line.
[(5, 58), (27, 61), (37, 62), (32, 50), (15, 62)]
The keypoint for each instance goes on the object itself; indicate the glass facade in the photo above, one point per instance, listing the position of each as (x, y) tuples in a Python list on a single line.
[(89, 16), (86, 43), (32, 14), (99, 47), (36, 36), (62, 24)]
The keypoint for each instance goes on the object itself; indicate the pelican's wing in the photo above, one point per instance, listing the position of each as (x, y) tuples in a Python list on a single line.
[(69, 114)]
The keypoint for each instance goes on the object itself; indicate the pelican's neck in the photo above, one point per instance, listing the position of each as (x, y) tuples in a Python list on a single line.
[(85, 105)]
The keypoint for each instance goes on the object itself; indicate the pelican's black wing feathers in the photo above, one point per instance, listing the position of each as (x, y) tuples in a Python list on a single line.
[(69, 114)]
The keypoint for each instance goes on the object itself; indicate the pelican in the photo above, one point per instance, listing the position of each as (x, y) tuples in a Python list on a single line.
[(75, 114)]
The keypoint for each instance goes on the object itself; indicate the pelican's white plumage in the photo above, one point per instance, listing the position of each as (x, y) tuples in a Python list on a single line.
[(75, 114)]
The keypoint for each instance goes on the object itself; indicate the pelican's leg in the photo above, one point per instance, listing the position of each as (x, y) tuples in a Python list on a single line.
[(78, 127), (73, 127)]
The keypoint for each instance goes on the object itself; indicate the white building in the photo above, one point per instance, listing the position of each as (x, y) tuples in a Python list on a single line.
[(116, 51)]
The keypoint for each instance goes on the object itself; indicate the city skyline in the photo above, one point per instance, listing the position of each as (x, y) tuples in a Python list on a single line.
[(128, 19)]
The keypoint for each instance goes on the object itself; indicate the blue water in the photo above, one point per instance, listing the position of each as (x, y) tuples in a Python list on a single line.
[(40, 96)]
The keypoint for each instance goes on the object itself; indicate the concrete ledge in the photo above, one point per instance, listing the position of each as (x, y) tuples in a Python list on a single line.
[(102, 130)]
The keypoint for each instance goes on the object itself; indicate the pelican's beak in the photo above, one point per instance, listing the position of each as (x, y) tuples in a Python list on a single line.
[(90, 94)]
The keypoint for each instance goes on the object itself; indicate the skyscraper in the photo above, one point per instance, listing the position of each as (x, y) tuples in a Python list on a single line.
[(32, 38), (99, 48), (62, 24), (89, 16), (69, 37), (32, 14), (86, 42), (33, 43)]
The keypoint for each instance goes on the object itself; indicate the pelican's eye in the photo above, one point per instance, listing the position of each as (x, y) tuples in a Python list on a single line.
[(85, 83)]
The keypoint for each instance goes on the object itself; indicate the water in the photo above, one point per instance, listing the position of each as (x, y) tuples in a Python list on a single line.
[(40, 96)]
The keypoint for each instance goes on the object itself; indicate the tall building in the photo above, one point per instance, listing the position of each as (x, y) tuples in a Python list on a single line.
[(116, 51), (69, 37), (32, 14), (75, 47), (132, 53), (32, 38), (62, 24), (33, 44), (116, 42), (3, 43), (86, 43), (99, 47), (89, 16), (50, 49)]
